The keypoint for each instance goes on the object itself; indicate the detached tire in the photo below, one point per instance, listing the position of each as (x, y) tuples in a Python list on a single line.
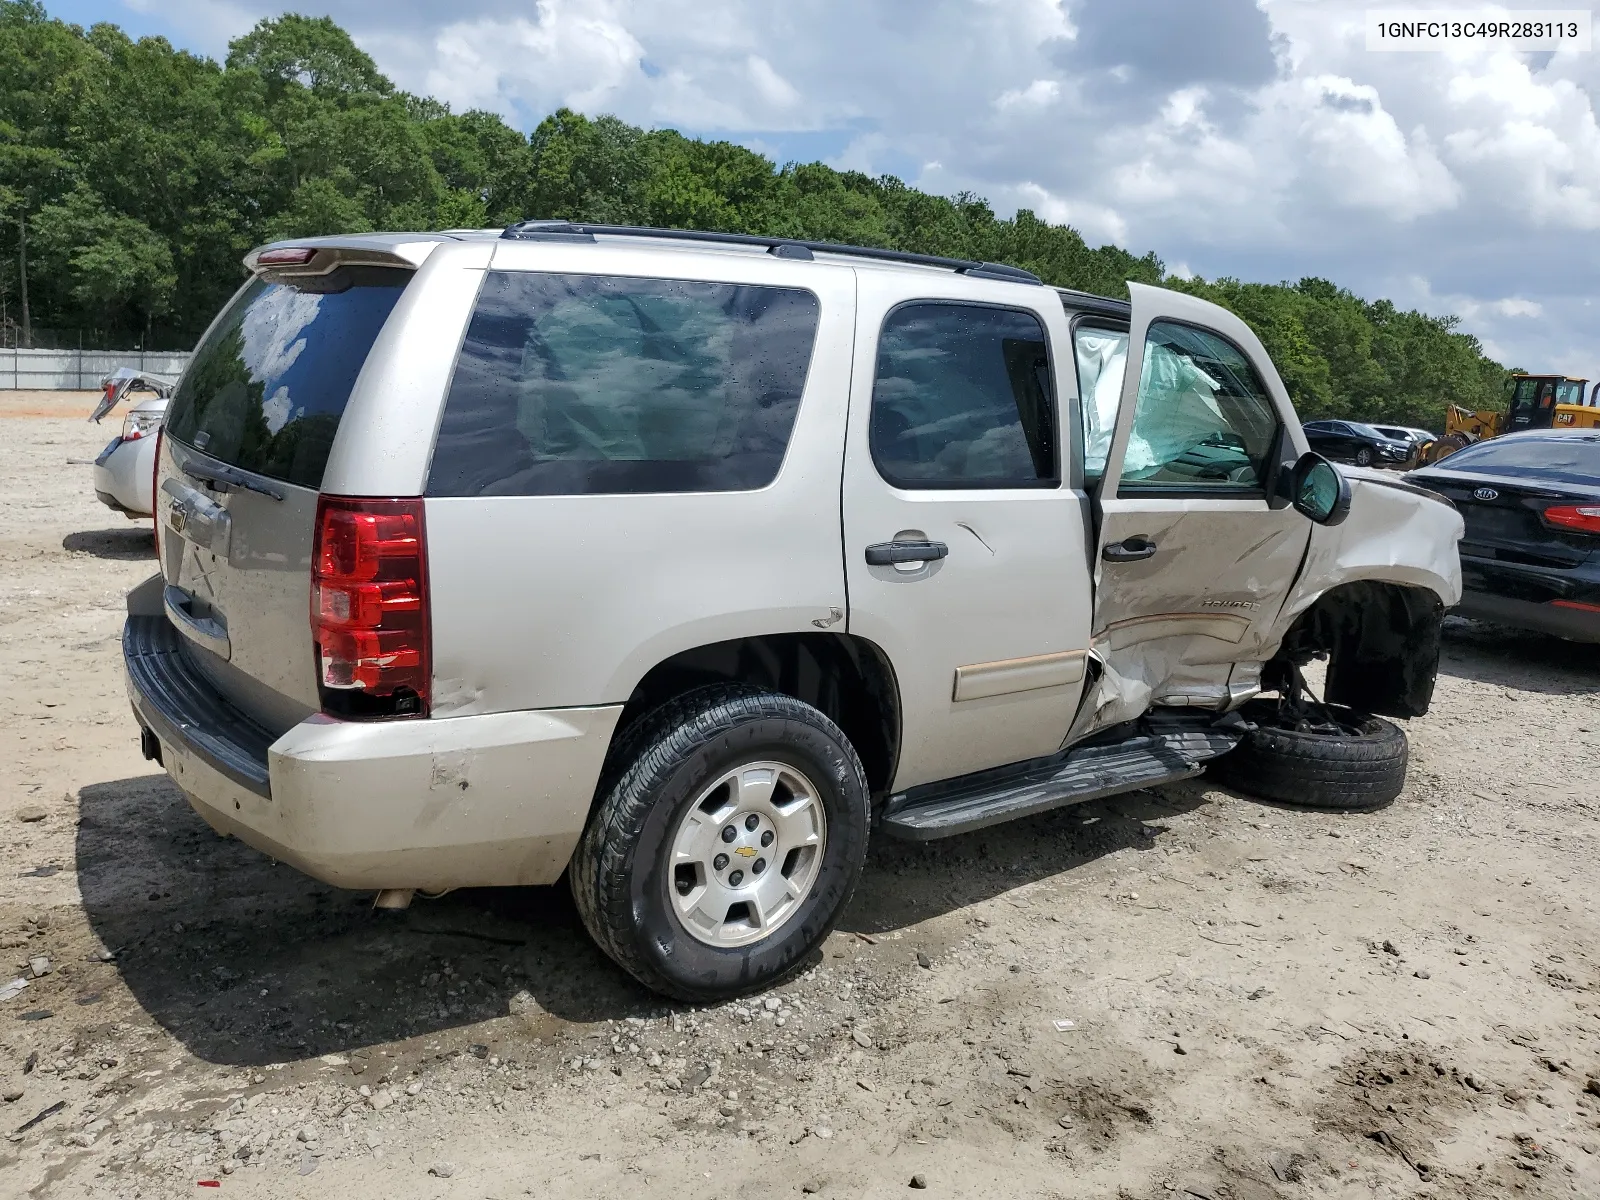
[(1361, 766), (730, 832)]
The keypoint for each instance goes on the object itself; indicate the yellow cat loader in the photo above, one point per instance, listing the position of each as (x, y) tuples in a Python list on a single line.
[(1536, 402)]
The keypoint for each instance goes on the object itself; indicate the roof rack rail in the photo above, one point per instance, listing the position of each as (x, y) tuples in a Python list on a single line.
[(781, 247)]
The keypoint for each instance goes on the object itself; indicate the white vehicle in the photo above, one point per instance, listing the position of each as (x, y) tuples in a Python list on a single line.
[(124, 472), (679, 563), (1407, 433)]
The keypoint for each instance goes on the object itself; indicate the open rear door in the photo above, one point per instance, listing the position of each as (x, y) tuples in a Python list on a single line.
[(1195, 555)]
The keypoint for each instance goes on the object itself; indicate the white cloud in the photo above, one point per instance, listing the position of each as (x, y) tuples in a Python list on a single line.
[(1038, 94), (1514, 306), (1097, 223), (772, 87), (578, 55)]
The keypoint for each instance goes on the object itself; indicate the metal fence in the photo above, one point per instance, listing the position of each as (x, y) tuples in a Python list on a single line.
[(50, 370)]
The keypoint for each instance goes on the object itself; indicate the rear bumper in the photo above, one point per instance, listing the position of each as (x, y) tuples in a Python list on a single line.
[(123, 476), (497, 799), (1520, 595), (1572, 623)]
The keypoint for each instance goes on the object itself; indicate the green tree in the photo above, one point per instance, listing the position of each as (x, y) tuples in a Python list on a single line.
[(312, 52)]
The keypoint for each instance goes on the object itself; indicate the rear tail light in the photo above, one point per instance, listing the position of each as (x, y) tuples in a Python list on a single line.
[(155, 482), (138, 424), (1583, 517), (1580, 605), (369, 607)]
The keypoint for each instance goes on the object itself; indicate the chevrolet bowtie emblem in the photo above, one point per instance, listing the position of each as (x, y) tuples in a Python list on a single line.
[(746, 852)]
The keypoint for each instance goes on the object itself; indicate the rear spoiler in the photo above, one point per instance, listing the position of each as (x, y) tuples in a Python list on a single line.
[(286, 260), (119, 383)]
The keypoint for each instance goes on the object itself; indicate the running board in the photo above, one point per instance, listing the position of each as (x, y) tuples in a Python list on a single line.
[(1161, 755)]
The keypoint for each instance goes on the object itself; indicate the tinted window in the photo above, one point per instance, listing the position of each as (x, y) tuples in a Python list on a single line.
[(1559, 457), (583, 384), (1102, 362), (1203, 419), (267, 387), (962, 399)]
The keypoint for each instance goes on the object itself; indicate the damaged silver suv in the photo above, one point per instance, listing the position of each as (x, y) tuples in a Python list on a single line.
[(678, 563)]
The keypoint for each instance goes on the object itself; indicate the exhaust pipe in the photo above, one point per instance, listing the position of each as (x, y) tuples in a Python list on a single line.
[(394, 898)]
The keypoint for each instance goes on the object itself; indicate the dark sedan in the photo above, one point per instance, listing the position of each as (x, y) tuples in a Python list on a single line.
[(1351, 441), (1531, 554)]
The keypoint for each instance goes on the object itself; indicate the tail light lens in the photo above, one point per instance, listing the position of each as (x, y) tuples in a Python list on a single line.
[(1583, 517), (369, 607), (140, 423), (155, 486)]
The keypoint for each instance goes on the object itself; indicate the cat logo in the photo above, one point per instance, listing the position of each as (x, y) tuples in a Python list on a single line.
[(746, 851)]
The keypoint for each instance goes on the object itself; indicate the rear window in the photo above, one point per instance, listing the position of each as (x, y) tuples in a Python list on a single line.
[(267, 386), (1560, 457), (586, 384)]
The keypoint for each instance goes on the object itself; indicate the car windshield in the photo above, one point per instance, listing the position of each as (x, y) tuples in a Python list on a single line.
[(1562, 457), (1370, 431)]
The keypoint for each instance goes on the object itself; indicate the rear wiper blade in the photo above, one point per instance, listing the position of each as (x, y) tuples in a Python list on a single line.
[(227, 477)]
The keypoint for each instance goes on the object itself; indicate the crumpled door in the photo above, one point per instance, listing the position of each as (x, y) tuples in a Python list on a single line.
[(1194, 559)]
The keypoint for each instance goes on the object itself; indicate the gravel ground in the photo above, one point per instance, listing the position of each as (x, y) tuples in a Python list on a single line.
[(1180, 992)]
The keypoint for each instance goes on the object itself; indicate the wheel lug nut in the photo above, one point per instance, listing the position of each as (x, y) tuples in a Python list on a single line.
[(751, 822), (729, 833), (766, 837), (736, 879), (758, 866), (719, 862)]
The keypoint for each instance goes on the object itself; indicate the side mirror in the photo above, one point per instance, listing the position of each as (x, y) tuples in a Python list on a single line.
[(1319, 490)]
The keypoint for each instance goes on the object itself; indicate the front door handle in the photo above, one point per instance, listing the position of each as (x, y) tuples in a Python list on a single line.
[(886, 554), (1129, 549)]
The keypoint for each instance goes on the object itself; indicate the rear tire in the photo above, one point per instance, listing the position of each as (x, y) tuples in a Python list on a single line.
[(632, 879), (1361, 767)]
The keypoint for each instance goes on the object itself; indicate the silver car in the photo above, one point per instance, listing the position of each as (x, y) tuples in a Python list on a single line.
[(680, 564), (124, 472)]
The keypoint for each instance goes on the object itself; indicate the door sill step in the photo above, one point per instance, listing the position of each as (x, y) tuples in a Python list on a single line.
[(1166, 752)]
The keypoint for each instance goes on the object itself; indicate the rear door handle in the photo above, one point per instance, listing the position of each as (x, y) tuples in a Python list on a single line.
[(208, 631), (1129, 549), (885, 554)]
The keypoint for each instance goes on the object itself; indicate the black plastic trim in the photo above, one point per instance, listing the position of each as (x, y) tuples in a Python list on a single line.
[(884, 554), (1165, 749), (1200, 491), (1087, 302), (182, 708)]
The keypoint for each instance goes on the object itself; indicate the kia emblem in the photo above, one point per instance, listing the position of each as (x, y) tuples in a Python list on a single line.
[(1485, 494)]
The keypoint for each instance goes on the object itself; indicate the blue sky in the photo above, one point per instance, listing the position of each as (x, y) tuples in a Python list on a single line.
[(1259, 140)]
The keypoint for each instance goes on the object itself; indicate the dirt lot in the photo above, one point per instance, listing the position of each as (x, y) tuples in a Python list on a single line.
[(1263, 1002)]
